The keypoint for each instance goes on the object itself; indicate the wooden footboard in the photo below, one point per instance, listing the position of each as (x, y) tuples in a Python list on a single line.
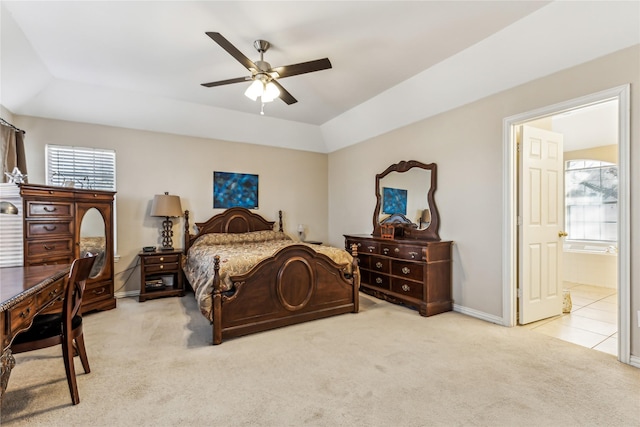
[(294, 285)]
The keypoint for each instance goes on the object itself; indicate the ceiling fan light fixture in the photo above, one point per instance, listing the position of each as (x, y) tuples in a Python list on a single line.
[(270, 93), (255, 90)]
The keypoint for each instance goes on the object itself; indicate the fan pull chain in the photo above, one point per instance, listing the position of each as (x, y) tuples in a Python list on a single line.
[(262, 109)]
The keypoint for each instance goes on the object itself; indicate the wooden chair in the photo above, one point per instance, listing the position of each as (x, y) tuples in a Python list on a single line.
[(62, 328)]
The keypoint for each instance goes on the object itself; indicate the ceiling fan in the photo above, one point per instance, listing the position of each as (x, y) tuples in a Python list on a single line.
[(265, 84)]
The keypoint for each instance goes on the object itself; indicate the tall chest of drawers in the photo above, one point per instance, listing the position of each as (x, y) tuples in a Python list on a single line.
[(61, 224), (412, 272)]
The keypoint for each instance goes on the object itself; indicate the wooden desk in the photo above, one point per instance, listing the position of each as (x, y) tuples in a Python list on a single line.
[(25, 292)]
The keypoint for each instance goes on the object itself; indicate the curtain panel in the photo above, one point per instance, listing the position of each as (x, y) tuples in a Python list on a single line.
[(12, 151)]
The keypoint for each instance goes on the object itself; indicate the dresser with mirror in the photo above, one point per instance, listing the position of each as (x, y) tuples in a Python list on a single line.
[(63, 223), (404, 261)]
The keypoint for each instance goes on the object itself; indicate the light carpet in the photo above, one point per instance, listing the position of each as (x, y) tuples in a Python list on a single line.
[(152, 364)]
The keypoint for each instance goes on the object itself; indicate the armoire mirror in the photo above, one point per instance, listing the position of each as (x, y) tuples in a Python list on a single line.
[(404, 194), (93, 239)]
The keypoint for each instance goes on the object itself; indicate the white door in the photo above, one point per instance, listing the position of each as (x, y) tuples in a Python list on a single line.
[(541, 223)]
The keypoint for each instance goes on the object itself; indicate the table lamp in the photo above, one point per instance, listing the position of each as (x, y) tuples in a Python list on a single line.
[(166, 206), (8, 208)]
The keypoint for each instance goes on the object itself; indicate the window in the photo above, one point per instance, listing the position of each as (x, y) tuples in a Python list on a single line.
[(11, 228), (89, 168), (591, 201)]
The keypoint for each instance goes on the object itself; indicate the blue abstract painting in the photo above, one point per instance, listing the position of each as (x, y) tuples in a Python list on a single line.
[(232, 189), (394, 200)]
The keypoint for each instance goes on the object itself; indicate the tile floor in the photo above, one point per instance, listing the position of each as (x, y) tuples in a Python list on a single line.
[(593, 321)]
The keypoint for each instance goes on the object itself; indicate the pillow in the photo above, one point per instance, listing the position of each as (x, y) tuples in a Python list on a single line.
[(252, 236)]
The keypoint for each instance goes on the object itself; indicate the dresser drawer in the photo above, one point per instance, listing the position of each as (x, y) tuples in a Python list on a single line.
[(407, 288), (364, 261), (52, 294), (52, 247), (49, 228), (380, 265), (21, 315), (407, 270), (51, 260), (402, 252), (170, 267), (49, 209), (160, 259), (96, 291), (379, 280)]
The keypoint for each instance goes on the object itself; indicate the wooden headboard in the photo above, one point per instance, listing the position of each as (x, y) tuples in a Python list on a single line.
[(233, 220)]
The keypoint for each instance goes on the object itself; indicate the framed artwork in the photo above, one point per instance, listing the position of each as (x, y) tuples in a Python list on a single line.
[(394, 200), (232, 189)]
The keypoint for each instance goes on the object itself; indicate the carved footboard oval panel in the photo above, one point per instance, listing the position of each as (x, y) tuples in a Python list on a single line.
[(295, 283), (293, 286)]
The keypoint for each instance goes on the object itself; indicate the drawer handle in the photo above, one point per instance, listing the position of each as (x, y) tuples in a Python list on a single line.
[(25, 314), (371, 248), (378, 264), (413, 254), (161, 267), (385, 250), (98, 291), (406, 288), (161, 258), (396, 250), (359, 244), (49, 228), (378, 280), (48, 209), (53, 292), (48, 248), (406, 270)]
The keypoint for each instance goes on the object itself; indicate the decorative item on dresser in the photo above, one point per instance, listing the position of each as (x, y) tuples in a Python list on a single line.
[(65, 223), (402, 261)]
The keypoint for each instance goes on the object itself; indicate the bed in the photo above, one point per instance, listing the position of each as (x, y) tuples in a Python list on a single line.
[(248, 277)]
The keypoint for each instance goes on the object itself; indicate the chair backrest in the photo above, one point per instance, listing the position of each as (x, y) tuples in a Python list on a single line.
[(80, 270)]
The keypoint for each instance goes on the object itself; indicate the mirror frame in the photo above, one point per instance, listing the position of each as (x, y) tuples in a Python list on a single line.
[(406, 230)]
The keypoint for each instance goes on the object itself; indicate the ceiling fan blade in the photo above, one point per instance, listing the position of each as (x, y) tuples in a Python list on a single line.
[(302, 68), (232, 50), (284, 95), (227, 82)]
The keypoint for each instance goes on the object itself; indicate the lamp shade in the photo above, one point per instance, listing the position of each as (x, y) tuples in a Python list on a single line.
[(166, 205), (8, 208)]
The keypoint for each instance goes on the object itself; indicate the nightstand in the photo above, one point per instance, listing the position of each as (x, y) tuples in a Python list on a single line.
[(160, 274)]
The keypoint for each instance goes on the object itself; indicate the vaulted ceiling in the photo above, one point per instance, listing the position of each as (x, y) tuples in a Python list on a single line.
[(139, 64)]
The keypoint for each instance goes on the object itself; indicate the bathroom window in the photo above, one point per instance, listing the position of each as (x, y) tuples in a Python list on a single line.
[(591, 201)]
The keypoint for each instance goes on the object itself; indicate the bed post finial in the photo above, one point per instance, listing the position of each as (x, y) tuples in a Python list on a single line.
[(356, 277), (280, 220), (216, 317), (186, 231)]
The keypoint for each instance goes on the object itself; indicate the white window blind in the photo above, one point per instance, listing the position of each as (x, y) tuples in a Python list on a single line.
[(11, 228), (88, 168)]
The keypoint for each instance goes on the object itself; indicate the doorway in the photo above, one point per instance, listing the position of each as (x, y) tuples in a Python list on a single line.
[(586, 275), (510, 195)]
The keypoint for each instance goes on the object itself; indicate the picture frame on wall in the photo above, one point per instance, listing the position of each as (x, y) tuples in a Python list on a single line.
[(232, 189)]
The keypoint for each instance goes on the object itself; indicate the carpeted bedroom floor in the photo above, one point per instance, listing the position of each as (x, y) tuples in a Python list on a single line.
[(153, 365)]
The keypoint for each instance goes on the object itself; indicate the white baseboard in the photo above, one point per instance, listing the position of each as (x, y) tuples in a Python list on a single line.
[(634, 361), (127, 294), (478, 314)]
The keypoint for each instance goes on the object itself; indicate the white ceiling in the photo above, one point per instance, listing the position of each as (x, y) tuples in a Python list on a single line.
[(139, 64)]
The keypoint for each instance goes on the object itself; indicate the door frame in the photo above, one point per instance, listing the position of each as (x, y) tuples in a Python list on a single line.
[(510, 205)]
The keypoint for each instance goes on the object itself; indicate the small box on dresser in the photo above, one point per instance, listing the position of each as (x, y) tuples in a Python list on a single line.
[(160, 274)]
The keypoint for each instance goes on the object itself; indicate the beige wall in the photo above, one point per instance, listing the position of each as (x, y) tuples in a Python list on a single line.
[(466, 143), (150, 163)]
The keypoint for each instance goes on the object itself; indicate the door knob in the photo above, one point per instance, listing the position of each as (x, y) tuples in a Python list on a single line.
[(562, 234)]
